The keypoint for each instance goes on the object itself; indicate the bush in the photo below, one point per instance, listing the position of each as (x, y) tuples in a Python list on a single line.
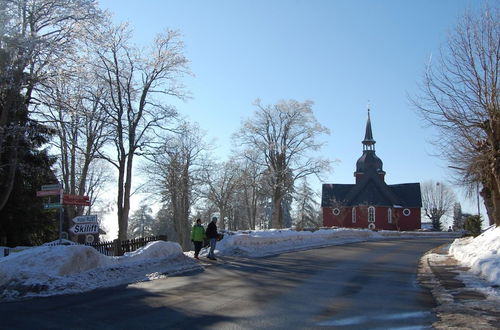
[(473, 225)]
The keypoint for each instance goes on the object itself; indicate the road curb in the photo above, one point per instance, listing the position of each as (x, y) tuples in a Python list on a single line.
[(458, 306)]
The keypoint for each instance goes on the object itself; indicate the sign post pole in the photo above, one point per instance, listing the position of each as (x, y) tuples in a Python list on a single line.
[(61, 215)]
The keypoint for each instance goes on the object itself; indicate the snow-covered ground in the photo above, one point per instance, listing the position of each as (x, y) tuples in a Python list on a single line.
[(481, 255), (62, 269)]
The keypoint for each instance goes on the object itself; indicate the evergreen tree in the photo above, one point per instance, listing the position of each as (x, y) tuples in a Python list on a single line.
[(307, 207), (141, 223)]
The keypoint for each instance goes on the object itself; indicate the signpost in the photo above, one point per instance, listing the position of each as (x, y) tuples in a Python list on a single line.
[(55, 186), (85, 228), (85, 219), (76, 200), (85, 224), (53, 190), (47, 206), (43, 193)]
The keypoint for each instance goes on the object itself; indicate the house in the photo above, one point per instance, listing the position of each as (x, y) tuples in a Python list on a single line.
[(370, 202)]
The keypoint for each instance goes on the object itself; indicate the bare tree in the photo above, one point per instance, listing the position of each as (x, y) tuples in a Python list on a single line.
[(285, 133), (35, 34), (437, 200), (221, 180), (73, 104), (249, 187), (460, 97), (136, 80), (175, 171)]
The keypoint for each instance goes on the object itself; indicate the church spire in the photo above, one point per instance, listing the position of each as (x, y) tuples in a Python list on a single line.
[(368, 142)]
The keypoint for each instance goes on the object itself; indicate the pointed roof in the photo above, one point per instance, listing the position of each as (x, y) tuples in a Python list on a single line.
[(369, 162), (368, 132)]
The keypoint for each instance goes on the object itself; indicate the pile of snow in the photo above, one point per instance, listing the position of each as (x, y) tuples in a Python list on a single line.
[(50, 270), (260, 243), (481, 254)]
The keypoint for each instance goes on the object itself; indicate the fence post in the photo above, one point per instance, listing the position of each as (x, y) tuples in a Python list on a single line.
[(118, 247)]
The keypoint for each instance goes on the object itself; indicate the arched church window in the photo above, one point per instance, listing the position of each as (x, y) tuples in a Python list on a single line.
[(389, 215), (353, 214), (371, 214)]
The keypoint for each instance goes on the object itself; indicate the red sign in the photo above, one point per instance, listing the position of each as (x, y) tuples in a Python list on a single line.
[(76, 200), (43, 193)]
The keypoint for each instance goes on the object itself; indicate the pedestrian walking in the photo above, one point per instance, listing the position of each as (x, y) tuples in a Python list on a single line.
[(197, 237), (212, 235)]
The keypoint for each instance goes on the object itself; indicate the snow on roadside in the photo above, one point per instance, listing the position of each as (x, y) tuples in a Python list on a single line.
[(261, 243), (481, 254), (51, 270)]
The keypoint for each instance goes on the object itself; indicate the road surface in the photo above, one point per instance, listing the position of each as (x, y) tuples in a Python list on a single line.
[(368, 285)]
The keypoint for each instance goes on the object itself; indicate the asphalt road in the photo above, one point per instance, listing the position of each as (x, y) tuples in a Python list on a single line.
[(369, 285)]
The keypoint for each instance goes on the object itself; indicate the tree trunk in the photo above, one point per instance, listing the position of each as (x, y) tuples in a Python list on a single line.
[(495, 199), (276, 215)]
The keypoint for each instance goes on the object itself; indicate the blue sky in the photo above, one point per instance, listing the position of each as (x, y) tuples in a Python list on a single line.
[(339, 54)]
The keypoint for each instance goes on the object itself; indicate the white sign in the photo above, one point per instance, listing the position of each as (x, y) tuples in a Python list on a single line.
[(85, 228), (85, 219), (51, 186)]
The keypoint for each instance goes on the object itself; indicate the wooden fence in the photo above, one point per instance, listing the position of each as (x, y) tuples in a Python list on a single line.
[(118, 248)]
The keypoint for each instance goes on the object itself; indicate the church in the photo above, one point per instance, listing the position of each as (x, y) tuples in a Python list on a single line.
[(370, 202)]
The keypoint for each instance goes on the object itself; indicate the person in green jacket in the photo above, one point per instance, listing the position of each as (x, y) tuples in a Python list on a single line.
[(197, 237)]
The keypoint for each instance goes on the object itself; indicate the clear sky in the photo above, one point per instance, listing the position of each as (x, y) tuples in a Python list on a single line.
[(339, 54)]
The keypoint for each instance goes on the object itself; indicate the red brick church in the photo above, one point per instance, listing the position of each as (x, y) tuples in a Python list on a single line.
[(370, 202)]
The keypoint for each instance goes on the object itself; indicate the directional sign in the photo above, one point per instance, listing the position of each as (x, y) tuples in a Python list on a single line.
[(52, 206), (85, 219), (51, 186), (85, 228), (42, 193), (76, 200)]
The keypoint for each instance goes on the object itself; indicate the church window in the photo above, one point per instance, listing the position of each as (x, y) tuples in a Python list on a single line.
[(336, 211), (353, 215), (389, 215), (371, 214), (406, 212)]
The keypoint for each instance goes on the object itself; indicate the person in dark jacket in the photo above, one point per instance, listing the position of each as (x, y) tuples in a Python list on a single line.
[(197, 237), (212, 235)]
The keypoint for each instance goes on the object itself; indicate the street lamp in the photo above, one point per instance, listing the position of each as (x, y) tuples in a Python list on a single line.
[(477, 189)]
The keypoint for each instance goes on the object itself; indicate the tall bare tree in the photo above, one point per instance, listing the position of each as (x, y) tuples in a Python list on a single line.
[(139, 82), (460, 97), (286, 134), (35, 34), (249, 185), (437, 200), (221, 180), (174, 170), (74, 105)]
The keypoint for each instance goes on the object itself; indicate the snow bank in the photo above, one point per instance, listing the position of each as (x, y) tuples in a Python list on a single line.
[(480, 254), (261, 243), (49, 270), (52, 270)]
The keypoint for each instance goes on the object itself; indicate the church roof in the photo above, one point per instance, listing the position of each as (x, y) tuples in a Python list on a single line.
[(370, 192)]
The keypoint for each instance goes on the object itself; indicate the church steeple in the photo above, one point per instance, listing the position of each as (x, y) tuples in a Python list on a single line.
[(369, 163), (368, 142)]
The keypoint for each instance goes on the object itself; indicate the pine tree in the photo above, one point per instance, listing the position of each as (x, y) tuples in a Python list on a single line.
[(307, 207)]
